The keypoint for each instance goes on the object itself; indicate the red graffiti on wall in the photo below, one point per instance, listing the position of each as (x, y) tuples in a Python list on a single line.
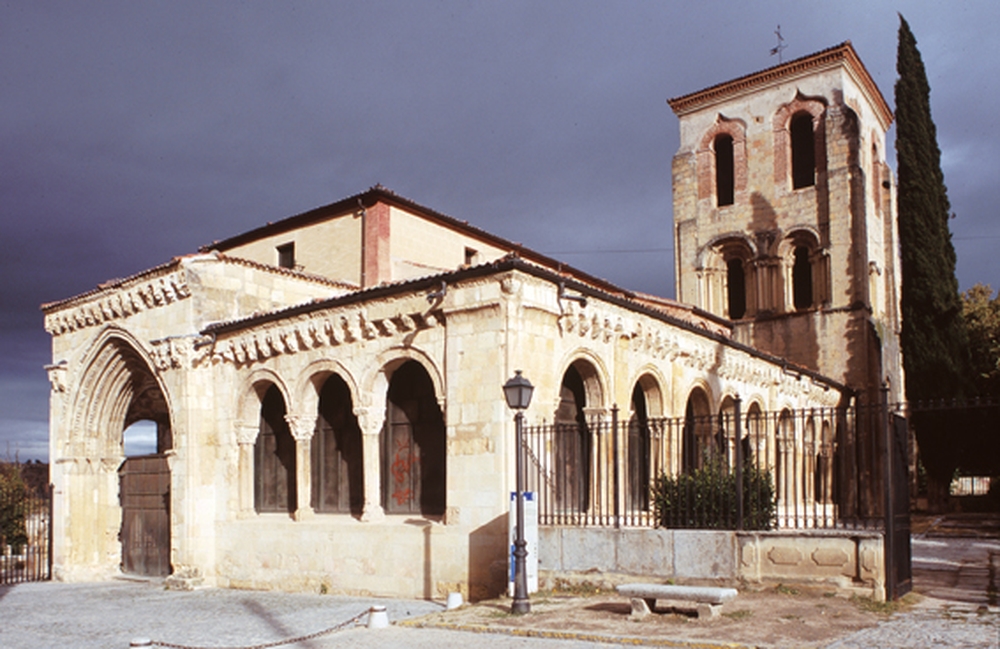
[(401, 467)]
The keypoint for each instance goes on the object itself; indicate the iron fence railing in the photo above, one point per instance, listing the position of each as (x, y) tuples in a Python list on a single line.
[(811, 468)]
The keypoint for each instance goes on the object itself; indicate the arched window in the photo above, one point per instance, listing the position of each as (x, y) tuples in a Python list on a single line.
[(413, 445), (337, 470), (725, 176), (638, 451), (803, 151), (802, 280), (698, 444), (721, 162), (274, 457), (572, 445), (736, 289)]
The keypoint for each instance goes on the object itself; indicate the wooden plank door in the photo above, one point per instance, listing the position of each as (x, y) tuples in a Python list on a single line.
[(145, 499)]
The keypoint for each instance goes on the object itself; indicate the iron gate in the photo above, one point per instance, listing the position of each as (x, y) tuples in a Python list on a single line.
[(25, 534), (899, 574), (145, 499)]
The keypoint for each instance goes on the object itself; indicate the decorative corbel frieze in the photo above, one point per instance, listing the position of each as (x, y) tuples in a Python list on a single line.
[(313, 334), (177, 352), (119, 303)]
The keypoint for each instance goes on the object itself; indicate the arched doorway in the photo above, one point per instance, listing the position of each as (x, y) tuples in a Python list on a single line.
[(133, 401), (413, 445)]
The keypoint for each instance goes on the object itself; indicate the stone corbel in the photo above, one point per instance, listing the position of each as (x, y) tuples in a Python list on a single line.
[(57, 376)]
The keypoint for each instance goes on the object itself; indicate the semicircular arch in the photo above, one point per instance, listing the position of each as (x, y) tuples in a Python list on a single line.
[(651, 381), (310, 380), (253, 388), (593, 372), (375, 383)]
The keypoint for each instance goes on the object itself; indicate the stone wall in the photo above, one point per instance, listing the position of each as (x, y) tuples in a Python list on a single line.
[(847, 561)]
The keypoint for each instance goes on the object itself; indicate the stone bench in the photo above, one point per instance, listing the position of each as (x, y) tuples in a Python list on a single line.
[(708, 599)]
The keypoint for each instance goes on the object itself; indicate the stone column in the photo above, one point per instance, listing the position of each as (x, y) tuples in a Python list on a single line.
[(246, 437), (371, 419), (302, 427)]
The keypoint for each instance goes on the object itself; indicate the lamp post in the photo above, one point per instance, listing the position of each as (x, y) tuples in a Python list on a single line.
[(518, 391)]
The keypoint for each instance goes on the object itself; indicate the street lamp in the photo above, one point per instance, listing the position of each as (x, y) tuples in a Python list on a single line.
[(518, 391)]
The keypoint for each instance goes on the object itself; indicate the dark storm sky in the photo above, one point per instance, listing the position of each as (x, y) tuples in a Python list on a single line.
[(133, 131)]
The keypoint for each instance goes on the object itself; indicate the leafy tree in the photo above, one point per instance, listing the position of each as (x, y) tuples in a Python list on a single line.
[(934, 340), (981, 311), (13, 497)]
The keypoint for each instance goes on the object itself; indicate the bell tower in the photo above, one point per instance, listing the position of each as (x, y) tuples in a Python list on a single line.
[(785, 216)]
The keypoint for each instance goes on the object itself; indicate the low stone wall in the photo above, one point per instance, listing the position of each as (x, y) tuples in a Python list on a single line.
[(396, 557), (850, 561)]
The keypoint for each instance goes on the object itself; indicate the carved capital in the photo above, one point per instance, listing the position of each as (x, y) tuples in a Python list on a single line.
[(301, 426), (246, 433), (370, 419)]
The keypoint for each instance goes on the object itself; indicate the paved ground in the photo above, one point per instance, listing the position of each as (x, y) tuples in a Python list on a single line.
[(955, 570)]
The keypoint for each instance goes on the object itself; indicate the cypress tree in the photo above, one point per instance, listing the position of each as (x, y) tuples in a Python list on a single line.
[(934, 339)]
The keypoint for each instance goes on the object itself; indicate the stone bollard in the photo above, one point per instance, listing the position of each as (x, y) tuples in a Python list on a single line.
[(140, 642), (377, 618)]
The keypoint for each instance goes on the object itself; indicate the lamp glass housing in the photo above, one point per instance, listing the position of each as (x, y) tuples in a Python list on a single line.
[(518, 391)]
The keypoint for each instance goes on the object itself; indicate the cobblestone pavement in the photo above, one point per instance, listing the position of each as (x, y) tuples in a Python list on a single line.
[(934, 623), (955, 569), (111, 614)]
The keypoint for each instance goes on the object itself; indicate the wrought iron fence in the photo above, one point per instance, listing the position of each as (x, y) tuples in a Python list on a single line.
[(25, 533), (812, 468)]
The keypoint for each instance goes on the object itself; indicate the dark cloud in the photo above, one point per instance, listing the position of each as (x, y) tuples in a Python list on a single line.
[(133, 132)]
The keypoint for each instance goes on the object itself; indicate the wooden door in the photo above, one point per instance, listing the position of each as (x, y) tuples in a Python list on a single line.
[(145, 499)]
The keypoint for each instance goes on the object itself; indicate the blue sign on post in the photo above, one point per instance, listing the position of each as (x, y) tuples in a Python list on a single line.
[(530, 537)]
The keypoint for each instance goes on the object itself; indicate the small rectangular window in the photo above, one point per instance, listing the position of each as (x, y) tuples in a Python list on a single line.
[(471, 256), (286, 255)]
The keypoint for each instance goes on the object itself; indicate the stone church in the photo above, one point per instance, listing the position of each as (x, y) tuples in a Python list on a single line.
[(326, 388)]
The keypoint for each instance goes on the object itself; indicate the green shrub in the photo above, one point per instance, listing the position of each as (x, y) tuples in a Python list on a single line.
[(706, 498)]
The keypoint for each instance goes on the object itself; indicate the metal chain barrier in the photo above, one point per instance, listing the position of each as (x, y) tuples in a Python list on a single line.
[(264, 645)]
